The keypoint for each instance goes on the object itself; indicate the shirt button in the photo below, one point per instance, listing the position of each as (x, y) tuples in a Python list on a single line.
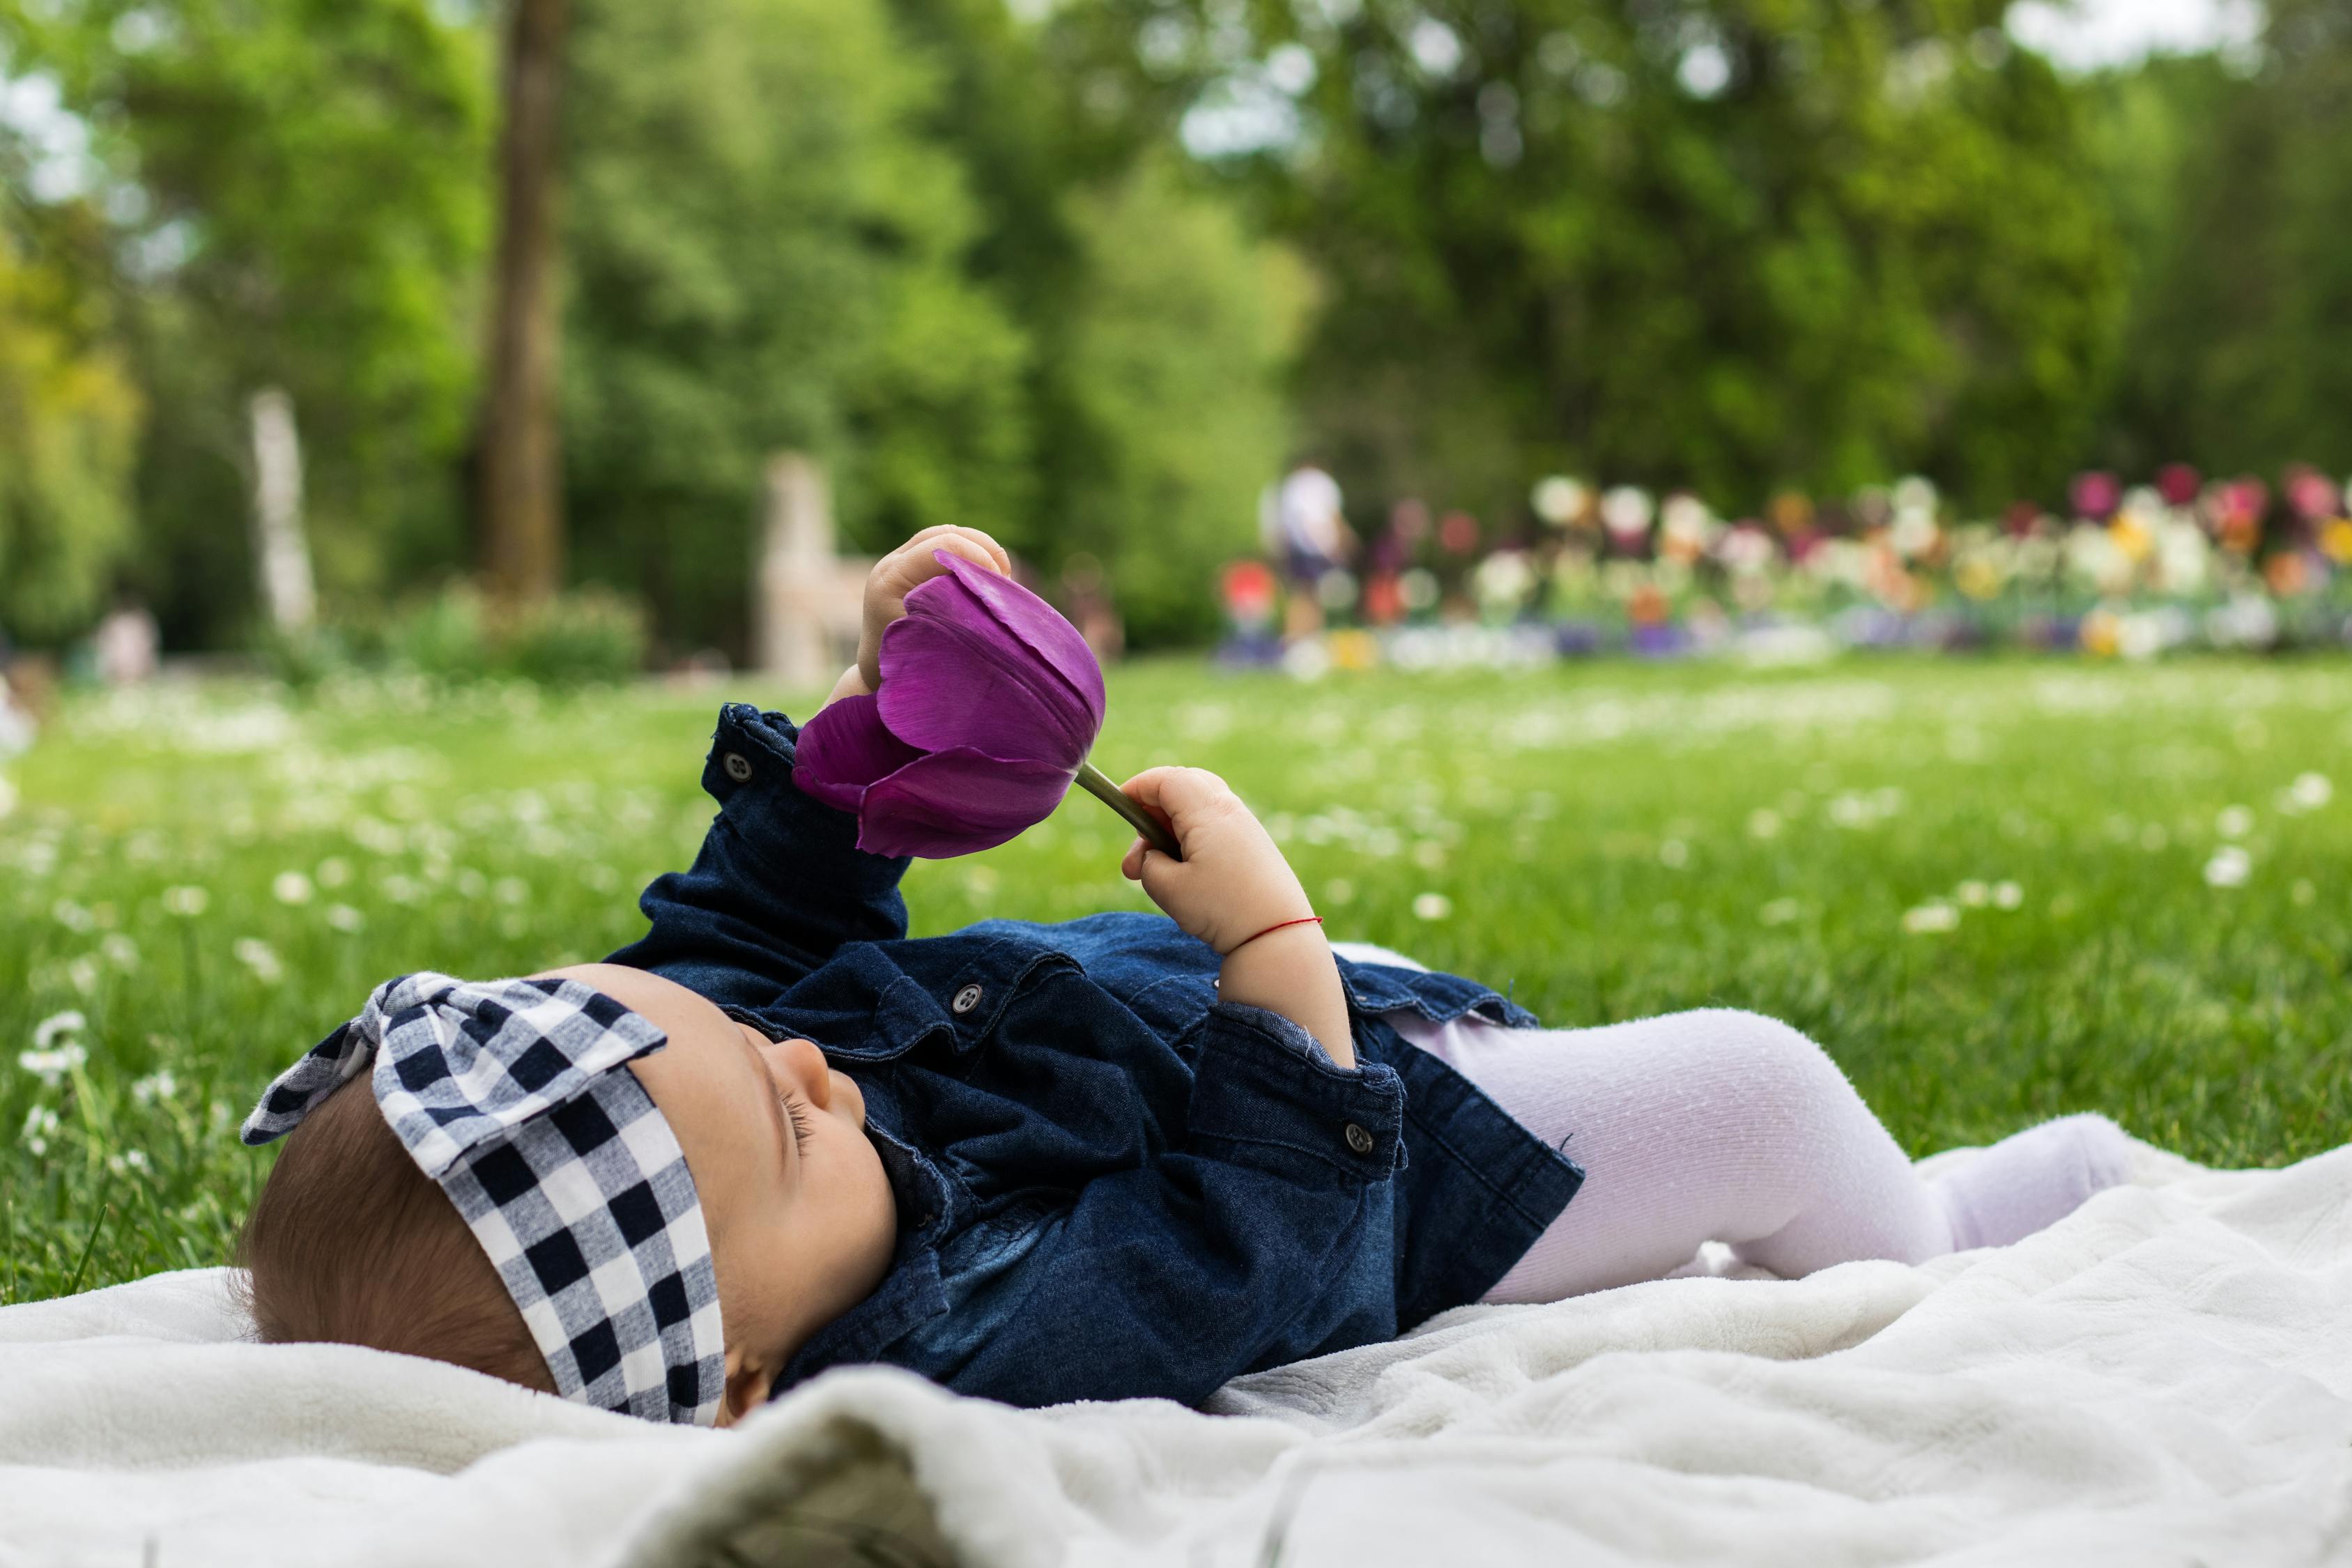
[(1358, 1139), (737, 767), (966, 1000)]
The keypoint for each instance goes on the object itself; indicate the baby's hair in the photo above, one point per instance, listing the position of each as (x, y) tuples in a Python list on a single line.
[(350, 1242)]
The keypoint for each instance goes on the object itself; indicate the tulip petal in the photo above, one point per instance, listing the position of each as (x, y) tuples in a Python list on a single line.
[(1046, 631), (844, 749), (994, 668), (956, 803)]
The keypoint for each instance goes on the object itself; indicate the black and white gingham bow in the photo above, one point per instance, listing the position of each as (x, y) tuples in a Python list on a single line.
[(505, 1093)]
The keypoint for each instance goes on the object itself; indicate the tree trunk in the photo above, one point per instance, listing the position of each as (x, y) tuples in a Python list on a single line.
[(279, 550), (522, 500)]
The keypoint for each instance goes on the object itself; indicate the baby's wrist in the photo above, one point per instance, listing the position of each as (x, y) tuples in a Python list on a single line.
[(1308, 923)]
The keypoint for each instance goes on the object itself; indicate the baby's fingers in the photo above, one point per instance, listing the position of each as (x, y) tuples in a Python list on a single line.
[(1174, 794), (922, 564)]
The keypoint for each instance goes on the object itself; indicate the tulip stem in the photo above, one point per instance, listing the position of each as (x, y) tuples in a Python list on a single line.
[(1098, 784)]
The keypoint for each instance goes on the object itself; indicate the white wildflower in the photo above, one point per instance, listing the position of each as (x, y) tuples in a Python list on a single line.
[(71, 915), (291, 887), (2007, 896), (1932, 917), (40, 1126), (82, 974), (2228, 867), (402, 890), (1973, 894), (2309, 791), (121, 951), (187, 902), (51, 1066), (1432, 906), (261, 958), (2235, 822), (129, 1160), (1429, 855), (1763, 823), (344, 918), (157, 1085), (510, 889), (1674, 854), (334, 871), (1338, 890), (47, 1032)]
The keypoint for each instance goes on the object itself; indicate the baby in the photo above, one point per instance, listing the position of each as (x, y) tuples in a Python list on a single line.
[(1125, 1155)]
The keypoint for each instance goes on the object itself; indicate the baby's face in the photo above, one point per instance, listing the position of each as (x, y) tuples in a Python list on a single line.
[(801, 1217)]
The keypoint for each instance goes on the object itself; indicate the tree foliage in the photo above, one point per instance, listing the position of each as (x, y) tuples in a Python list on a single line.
[(1170, 378), (765, 253), (1725, 245), (2234, 184), (298, 195), (68, 422)]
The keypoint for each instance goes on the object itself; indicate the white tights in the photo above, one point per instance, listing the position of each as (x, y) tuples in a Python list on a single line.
[(1728, 1126)]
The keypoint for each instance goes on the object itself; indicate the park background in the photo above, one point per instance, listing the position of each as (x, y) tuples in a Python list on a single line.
[(1090, 275)]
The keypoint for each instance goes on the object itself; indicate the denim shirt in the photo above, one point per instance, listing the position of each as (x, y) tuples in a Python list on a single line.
[(1109, 1184)]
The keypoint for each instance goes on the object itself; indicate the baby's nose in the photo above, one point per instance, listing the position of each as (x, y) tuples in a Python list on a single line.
[(805, 1065)]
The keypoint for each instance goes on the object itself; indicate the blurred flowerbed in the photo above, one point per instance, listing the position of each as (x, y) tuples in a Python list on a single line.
[(2131, 571)]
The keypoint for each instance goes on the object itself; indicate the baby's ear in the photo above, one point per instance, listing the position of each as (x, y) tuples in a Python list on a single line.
[(749, 1382)]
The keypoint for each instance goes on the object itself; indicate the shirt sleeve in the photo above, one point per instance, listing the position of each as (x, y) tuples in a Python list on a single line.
[(778, 884), (1264, 1237)]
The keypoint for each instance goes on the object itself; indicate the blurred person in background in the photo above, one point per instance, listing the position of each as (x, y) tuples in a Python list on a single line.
[(1305, 528)]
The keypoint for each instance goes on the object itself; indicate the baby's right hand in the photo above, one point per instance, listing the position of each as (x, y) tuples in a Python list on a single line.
[(1233, 881)]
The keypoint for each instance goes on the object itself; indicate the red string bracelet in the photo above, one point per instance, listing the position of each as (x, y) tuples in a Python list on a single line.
[(1278, 925)]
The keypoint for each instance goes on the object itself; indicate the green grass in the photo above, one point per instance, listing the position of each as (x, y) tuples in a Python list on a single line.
[(1604, 841)]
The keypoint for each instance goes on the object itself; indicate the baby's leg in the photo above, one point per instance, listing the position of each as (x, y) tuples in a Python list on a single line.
[(1727, 1126)]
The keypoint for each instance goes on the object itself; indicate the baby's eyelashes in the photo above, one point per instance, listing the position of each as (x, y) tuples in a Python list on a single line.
[(799, 1119)]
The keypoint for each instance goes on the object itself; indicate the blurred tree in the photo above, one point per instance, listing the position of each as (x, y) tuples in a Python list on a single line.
[(1178, 335), (2234, 183), (1729, 244), (297, 197), (69, 424), (766, 251), (1161, 328)]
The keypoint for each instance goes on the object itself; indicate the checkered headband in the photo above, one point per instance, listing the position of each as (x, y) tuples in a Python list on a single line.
[(509, 1094)]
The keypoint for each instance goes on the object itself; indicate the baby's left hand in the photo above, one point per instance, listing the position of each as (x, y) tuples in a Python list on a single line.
[(908, 567)]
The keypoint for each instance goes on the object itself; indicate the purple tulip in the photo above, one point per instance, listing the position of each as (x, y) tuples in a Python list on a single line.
[(989, 702)]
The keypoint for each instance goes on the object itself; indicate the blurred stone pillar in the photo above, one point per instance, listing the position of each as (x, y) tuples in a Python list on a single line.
[(796, 575), (279, 550)]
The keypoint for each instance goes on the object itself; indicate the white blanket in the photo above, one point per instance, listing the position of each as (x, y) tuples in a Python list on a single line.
[(2164, 1378)]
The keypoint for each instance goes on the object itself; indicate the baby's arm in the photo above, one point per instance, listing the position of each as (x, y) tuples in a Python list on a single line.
[(1232, 885)]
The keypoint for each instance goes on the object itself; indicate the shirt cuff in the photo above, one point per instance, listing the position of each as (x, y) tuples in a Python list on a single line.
[(1264, 1088), (749, 772)]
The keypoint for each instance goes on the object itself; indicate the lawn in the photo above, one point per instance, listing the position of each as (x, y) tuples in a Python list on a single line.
[(1996, 892)]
